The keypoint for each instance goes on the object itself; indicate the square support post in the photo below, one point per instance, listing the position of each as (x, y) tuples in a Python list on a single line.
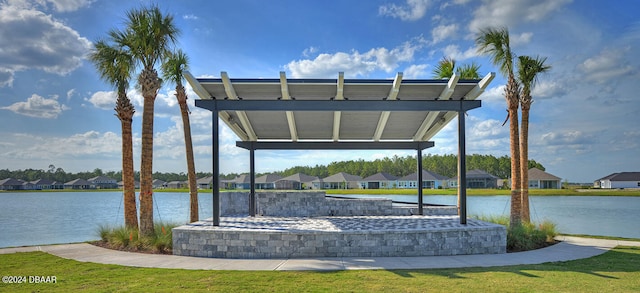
[(420, 200), (216, 168), (252, 181), (462, 170)]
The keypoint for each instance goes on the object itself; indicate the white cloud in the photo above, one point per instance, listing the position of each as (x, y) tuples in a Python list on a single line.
[(510, 13), (453, 51), (416, 71), (190, 17), (39, 107), (443, 32), (521, 39), (607, 65), (354, 63), (412, 10), (33, 40), (308, 52), (549, 89), (103, 100)]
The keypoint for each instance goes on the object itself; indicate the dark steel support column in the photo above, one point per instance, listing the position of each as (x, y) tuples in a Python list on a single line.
[(420, 201), (462, 170), (216, 168), (252, 181)]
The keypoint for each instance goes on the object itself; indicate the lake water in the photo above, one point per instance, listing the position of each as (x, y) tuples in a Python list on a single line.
[(35, 218)]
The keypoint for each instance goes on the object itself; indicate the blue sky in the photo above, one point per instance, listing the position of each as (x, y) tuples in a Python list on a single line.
[(55, 110)]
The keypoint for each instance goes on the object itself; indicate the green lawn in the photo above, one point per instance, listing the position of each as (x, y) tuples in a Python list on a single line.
[(615, 271)]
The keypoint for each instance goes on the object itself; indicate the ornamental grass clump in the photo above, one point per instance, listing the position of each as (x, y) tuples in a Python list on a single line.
[(525, 236), (128, 239)]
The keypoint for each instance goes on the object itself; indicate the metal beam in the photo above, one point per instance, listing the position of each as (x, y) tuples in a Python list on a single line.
[(346, 105), (216, 169), (420, 199), (252, 181), (231, 95), (291, 120), (330, 145), (431, 116), (384, 117), (462, 170), (337, 115)]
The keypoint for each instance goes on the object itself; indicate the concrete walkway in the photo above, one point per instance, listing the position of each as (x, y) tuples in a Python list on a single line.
[(570, 248)]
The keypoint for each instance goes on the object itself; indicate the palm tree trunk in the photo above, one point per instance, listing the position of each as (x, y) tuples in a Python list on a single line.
[(524, 162), (191, 169), (514, 142), (148, 80), (128, 180)]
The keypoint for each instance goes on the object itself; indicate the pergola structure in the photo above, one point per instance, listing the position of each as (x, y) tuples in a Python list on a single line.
[(337, 113)]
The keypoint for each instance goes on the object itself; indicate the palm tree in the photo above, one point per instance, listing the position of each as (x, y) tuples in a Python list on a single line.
[(147, 36), (528, 70), (447, 66), (173, 69), (469, 71), (115, 67), (495, 43)]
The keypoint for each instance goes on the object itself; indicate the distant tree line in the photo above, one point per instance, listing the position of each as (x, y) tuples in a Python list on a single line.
[(445, 165)]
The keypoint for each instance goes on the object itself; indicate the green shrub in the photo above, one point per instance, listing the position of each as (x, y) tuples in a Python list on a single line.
[(525, 236)]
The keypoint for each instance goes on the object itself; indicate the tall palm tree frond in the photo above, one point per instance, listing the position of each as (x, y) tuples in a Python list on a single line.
[(528, 70), (148, 34), (469, 71), (495, 43), (174, 67), (445, 68)]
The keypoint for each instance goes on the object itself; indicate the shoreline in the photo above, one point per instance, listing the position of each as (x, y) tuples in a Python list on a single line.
[(474, 192)]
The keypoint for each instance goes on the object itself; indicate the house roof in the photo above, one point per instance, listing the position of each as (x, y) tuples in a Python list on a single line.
[(243, 178), (382, 176), (11, 181), (342, 177), (43, 181), (337, 109), (100, 178), (426, 176), (477, 174), (268, 178), (537, 174), (623, 176), (78, 181), (205, 180), (299, 177), (158, 182)]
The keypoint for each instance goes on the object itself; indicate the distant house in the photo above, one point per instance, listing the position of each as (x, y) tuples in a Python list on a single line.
[(543, 180), (341, 181), (430, 180), (176, 184), (43, 184), (136, 184), (157, 184), (380, 180), (267, 181), (242, 182), (477, 179), (103, 182), (296, 181), (11, 184), (78, 184), (619, 180), (205, 183)]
